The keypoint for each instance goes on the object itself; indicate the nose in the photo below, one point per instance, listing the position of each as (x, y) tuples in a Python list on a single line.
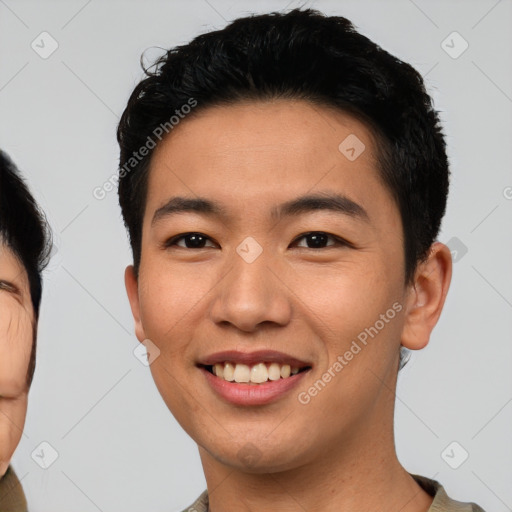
[(251, 294)]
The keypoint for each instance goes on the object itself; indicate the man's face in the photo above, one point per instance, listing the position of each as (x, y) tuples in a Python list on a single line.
[(257, 283), (16, 339)]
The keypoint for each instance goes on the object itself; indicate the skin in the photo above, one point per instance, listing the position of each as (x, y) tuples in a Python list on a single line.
[(337, 452), (16, 337)]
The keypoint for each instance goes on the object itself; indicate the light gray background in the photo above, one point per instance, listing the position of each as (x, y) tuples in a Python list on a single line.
[(119, 449)]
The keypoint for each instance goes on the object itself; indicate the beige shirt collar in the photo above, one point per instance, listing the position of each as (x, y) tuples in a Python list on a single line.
[(442, 502)]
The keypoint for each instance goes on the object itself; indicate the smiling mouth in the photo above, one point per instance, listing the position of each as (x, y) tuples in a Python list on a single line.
[(254, 374)]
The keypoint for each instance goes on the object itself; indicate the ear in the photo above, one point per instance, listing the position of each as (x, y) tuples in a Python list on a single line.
[(426, 296), (132, 289)]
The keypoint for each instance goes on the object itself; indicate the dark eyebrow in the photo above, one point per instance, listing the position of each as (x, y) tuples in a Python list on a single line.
[(325, 201), (184, 204)]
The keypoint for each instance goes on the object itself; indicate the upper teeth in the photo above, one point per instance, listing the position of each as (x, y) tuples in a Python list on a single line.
[(256, 374)]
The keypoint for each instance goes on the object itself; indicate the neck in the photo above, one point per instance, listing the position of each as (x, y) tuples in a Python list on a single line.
[(363, 474), (360, 472)]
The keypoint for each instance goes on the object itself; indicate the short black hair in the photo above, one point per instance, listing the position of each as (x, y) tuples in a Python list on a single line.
[(306, 55), (25, 231)]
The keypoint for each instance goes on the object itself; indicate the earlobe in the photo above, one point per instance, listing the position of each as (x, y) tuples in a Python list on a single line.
[(132, 290), (427, 295)]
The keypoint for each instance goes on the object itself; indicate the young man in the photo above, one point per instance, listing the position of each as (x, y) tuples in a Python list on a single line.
[(24, 252), (283, 183)]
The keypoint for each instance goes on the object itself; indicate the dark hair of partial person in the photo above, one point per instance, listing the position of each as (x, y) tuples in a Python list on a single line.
[(25, 231)]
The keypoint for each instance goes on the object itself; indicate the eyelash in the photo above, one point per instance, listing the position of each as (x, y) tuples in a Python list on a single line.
[(338, 241)]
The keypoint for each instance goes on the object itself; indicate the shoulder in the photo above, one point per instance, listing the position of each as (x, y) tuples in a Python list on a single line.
[(442, 502), (12, 498)]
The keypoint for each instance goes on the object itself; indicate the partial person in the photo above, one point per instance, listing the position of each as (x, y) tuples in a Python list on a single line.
[(25, 243)]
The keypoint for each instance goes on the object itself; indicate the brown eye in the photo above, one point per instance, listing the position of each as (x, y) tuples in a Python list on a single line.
[(192, 241), (319, 240)]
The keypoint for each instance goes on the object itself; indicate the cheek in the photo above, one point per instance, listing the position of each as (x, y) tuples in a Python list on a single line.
[(169, 299), (360, 316), (15, 349), (169, 304), (349, 299)]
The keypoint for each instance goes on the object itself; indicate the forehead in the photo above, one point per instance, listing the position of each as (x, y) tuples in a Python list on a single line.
[(254, 154)]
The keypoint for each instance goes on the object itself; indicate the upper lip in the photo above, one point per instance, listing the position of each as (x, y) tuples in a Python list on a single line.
[(250, 358)]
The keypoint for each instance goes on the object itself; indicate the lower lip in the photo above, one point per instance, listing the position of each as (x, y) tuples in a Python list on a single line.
[(252, 394)]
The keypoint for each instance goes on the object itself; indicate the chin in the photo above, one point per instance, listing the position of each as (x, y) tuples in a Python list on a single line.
[(251, 457)]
